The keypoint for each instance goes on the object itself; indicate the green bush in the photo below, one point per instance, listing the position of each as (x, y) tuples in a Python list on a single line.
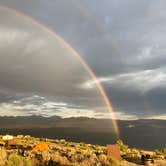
[(164, 151), (113, 161), (15, 160), (158, 152), (136, 160), (123, 147)]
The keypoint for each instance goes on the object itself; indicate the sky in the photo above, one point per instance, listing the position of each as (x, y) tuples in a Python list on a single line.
[(122, 41)]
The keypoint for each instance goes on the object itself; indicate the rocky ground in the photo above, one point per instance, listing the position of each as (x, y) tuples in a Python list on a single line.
[(30, 151)]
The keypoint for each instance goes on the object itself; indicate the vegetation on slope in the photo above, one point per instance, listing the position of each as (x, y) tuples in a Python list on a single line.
[(30, 151)]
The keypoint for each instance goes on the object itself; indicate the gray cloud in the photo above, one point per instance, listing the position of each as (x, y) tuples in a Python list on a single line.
[(34, 62), (121, 41)]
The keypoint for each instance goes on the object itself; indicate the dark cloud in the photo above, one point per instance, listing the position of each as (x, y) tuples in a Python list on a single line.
[(36, 63), (123, 42)]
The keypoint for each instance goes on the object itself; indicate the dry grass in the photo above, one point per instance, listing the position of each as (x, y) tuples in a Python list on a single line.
[(49, 152)]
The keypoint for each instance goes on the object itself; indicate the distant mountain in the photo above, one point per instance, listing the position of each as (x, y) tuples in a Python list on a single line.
[(144, 134)]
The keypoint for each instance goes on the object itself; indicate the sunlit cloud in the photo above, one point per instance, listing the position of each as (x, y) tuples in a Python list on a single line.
[(160, 117), (7, 109), (125, 116), (143, 80), (90, 84), (39, 105)]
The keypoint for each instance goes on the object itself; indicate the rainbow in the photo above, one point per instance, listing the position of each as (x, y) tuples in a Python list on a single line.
[(78, 56)]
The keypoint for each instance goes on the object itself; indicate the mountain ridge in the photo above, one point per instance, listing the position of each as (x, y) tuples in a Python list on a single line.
[(136, 133)]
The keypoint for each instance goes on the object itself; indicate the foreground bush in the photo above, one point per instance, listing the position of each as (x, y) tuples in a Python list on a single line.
[(15, 160)]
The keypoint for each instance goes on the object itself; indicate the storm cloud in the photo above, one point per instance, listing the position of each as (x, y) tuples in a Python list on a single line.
[(123, 42), (34, 62)]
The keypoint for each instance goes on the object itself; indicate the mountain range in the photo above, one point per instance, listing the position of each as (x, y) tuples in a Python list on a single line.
[(143, 133)]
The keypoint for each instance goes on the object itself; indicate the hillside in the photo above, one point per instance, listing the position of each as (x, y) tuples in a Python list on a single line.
[(30, 151)]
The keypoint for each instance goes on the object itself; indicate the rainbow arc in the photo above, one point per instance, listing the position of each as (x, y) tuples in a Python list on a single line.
[(77, 55)]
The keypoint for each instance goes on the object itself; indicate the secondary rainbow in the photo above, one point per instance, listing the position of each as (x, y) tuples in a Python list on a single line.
[(78, 56)]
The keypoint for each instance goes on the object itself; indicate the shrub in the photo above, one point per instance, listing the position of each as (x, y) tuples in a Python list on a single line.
[(103, 159), (15, 160), (123, 147), (112, 161), (158, 152), (164, 151), (58, 159)]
